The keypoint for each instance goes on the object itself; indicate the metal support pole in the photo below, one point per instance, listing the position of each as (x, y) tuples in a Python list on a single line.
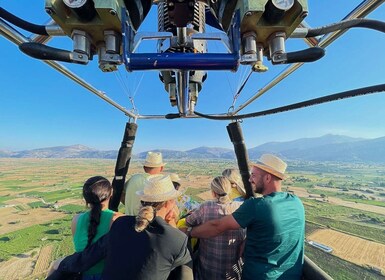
[(236, 137), (122, 164)]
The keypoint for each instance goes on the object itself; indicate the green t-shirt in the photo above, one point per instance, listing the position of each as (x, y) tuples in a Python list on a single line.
[(275, 236), (81, 235)]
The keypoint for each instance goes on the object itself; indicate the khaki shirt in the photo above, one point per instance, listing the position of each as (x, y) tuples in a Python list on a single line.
[(132, 201)]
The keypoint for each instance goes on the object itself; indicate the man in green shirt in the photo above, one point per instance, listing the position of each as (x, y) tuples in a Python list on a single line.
[(275, 223)]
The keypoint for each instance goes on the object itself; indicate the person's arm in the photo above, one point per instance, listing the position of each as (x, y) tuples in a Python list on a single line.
[(73, 224), (215, 227), (196, 216), (123, 197), (81, 261)]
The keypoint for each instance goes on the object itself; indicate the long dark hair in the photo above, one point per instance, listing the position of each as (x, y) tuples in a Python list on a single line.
[(95, 190)]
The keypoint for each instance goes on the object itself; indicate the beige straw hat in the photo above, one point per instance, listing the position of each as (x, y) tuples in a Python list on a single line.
[(154, 159), (175, 177), (271, 164), (158, 188)]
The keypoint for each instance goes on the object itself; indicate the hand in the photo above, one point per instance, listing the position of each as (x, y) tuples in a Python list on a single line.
[(172, 217), (183, 229)]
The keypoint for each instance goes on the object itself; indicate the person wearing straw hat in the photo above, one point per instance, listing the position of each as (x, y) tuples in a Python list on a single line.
[(275, 224), (152, 166), (141, 247)]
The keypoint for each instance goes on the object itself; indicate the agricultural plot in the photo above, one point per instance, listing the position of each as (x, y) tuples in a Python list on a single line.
[(43, 261), (18, 267), (13, 220), (352, 248), (340, 269)]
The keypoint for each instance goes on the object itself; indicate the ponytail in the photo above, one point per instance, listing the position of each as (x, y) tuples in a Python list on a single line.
[(95, 214), (221, 186), (146, 215)]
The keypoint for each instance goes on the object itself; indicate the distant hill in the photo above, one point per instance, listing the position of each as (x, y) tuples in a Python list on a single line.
[(74, 151), (197, 153), (317, 149), (325, 148), (4, 153)]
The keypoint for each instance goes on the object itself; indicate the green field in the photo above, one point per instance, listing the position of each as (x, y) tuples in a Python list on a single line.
[(47, 181), (24, 240)]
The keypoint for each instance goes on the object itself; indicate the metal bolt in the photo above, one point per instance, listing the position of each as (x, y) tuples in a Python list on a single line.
[(113, 12), (49, 11), (249, 14)]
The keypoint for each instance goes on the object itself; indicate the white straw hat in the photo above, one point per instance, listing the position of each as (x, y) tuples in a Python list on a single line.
[(271, 164), (154, 159), (175, 177), (158, 188)]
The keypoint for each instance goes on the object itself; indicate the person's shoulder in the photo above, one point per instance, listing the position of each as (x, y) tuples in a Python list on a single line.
[(236, 203), (208, 203), (117, 215), (138, 176), (159, 222), (123, 219), (79, 216), (253, 202), (76, 217), (287, 195)]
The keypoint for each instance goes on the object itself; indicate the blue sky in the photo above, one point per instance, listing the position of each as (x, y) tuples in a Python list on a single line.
[(41, 108)]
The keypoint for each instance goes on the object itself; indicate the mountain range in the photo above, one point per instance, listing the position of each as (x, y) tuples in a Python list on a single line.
[(325, 148)]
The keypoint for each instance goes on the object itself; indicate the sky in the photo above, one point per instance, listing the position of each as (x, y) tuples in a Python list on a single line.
[(39, 107)]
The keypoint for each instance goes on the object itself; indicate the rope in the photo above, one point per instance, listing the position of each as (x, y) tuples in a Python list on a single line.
[(240, 89), (123, 85), (311, 102)]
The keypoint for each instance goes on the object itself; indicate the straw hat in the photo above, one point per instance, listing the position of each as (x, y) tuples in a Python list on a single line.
[(175, 177), (271, 164), (158, 188), (154, 159)]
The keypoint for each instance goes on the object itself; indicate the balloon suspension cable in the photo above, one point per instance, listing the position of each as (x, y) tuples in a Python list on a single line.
[(236, 95), (307, 103), (127, 91)]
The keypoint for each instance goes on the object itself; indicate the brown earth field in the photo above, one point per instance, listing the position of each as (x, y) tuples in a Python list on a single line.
[(18, 268), (12, 220), (351, 248)]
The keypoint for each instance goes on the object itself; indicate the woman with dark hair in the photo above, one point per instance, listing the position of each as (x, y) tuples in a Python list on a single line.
[(141, 247), (88, 227)]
